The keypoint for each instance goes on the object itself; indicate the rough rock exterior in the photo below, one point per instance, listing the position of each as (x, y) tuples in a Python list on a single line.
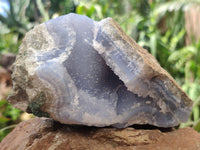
[(79, 71), (43, 134)]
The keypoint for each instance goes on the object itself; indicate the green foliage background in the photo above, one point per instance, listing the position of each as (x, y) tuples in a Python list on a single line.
[(139, 18)]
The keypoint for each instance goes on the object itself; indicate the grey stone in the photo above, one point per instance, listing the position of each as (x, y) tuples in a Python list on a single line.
[(79, 71)]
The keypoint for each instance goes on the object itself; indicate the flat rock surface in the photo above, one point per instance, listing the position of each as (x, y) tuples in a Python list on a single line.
[(43, 134), (80, 71)]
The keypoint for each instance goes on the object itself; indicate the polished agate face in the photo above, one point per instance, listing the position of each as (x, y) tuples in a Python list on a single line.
[(79, 71)]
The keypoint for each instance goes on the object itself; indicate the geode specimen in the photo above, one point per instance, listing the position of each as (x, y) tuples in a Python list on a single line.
[(79, 71)]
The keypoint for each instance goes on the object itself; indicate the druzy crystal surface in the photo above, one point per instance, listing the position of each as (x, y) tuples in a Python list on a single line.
[(79, 71)]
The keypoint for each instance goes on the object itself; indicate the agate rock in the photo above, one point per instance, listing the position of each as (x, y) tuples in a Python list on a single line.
[(79, 71)]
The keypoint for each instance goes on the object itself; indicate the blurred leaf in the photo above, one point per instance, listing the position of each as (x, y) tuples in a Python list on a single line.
[(12, 112), (4, 29), (2, 102), (4, 120), (153, 44), (44, 13), (197, 126)]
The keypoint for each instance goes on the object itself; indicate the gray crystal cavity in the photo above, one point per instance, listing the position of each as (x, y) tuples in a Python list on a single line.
[(79, 71)]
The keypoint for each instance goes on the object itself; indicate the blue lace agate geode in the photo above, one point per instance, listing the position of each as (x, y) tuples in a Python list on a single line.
[(79, 71)]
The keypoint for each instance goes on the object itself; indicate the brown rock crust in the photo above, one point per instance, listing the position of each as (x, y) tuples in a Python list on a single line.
[(43, 134)]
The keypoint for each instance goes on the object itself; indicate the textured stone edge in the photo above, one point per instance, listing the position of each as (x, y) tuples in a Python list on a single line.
[(148, 60)]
